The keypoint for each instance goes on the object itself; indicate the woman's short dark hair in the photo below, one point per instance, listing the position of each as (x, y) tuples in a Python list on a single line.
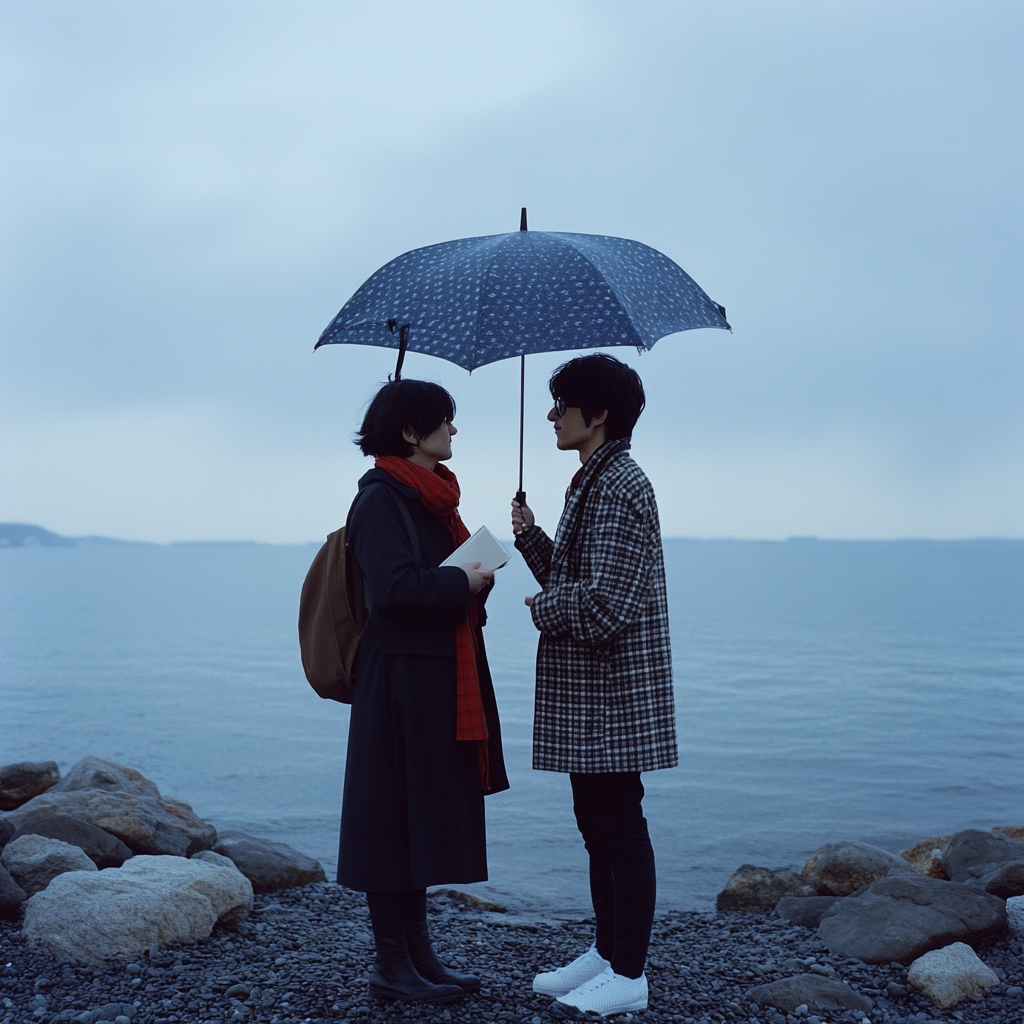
[(399, 404), (597, 382)]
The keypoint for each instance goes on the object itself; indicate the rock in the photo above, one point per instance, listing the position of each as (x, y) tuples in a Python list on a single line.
[(950, 975), (468, 901), (1013, 831), (209, 857), (268, 865), (112, 1011), (838, 869), (811, 990), (103, 849), (34, 861), (902, 917), (1015, 915), (12, 896), (97, 773), (24, 780), (7, 831), (988, 860), (145, 824), (754, 888), (804, 910), (150, 902), (925, 857)]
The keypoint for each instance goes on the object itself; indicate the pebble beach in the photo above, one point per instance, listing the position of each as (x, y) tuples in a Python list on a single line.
[(303, 955)]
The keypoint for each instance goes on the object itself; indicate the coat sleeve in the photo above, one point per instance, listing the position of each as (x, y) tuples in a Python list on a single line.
[(536, 547), (615, 575), (395, 583)]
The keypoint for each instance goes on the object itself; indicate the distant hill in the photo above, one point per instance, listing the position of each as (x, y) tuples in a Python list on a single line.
[(24, 535)]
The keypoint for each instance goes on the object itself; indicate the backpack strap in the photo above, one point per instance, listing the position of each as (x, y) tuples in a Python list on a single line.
[(406, 518)]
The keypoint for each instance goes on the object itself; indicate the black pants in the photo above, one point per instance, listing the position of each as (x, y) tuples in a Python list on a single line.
[(622, 881)]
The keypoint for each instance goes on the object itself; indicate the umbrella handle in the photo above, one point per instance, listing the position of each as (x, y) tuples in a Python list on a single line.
[(403, 342)]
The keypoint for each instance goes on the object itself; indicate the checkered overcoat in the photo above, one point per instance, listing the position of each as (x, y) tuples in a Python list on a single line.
[(604, 666)]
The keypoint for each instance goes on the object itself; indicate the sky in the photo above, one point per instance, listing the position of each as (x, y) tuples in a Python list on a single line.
[(192, 190)]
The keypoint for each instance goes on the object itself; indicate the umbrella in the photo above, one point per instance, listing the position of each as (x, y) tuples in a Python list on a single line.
[(474, 301)]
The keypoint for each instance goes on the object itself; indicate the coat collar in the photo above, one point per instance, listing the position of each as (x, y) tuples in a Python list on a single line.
[(378, 476), (593, 465)]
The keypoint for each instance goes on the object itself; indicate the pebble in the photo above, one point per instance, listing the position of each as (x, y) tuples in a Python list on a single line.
[(304, 961)]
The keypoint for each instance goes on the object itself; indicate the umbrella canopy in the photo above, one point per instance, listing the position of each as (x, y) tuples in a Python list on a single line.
[(473, 301)]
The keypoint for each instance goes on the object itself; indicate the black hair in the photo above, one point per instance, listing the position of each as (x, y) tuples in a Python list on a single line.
[(597, 382), (399, 404)]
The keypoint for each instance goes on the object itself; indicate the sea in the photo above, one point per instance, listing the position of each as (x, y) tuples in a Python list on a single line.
[(825, 690)]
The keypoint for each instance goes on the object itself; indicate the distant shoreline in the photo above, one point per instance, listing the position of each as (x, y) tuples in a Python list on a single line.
[(28, 535)]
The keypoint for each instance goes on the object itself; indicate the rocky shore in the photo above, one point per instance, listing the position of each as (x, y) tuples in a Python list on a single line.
[(304, 952), (274, 942)]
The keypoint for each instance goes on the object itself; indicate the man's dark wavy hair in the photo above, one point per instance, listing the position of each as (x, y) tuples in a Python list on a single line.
[(400, 404), (597, 382)]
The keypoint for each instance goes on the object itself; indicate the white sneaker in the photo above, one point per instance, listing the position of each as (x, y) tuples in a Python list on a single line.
[(565, 979), (608, 993)]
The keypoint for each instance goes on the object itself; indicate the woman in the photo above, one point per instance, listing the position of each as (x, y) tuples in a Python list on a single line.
[(424, 739)]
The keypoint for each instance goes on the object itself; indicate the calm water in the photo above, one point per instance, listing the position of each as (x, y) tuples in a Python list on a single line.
[(870, 691)]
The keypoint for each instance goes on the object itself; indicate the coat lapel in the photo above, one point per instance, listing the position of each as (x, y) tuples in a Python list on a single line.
[(569, 522)]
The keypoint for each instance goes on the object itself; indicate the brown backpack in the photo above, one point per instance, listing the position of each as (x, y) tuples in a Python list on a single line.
[(333, 609)]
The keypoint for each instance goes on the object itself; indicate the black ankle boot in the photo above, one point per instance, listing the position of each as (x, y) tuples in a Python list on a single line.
[(393, 975), (428, 964)]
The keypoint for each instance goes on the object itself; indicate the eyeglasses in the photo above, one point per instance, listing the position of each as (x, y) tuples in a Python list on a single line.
[(560, 407)]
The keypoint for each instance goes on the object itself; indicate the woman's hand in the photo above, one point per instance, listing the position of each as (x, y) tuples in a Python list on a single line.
[(522, 518), (528, 601), (478, 578)]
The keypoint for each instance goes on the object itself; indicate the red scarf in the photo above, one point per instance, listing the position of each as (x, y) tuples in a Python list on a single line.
[(439, 493)]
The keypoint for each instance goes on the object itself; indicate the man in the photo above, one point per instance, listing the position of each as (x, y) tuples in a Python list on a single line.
[(604, 711)]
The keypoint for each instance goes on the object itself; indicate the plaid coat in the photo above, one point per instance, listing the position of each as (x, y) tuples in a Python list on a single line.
[(604, 666)]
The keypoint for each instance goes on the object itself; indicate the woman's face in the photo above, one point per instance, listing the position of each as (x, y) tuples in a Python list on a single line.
[(435, 447)]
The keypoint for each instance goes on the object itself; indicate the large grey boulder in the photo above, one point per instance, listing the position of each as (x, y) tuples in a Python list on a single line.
[(818, 994), (268, 865), (12, 896), (902, 917), (989, 860), (7, 831), (754, 888), (119, 913), (21, 781), (950, 975), (806, 911), (103, 849), (127, 805), (34, 861), (838, 869)]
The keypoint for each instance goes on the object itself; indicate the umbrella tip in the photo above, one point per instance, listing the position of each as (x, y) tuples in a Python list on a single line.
[(522, 220)]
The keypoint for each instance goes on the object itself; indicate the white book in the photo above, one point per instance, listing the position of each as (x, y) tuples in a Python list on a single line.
[(482, 547)]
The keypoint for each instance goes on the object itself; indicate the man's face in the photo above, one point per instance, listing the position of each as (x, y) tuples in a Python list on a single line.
[(571, 433)]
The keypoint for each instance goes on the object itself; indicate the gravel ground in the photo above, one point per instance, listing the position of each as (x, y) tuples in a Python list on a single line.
[(304, 954)]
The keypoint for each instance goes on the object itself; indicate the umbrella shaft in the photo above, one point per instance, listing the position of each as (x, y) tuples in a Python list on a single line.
[(522, 408)]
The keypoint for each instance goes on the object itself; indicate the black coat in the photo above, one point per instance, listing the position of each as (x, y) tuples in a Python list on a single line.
[(412, 813)]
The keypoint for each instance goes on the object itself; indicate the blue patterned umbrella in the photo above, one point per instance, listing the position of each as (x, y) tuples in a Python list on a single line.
[(474, 301)]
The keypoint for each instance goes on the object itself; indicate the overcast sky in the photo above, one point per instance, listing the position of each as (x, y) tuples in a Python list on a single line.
[(192, 191)]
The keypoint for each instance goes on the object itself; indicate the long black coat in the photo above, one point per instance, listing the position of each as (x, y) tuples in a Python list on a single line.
[(412, 812)]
